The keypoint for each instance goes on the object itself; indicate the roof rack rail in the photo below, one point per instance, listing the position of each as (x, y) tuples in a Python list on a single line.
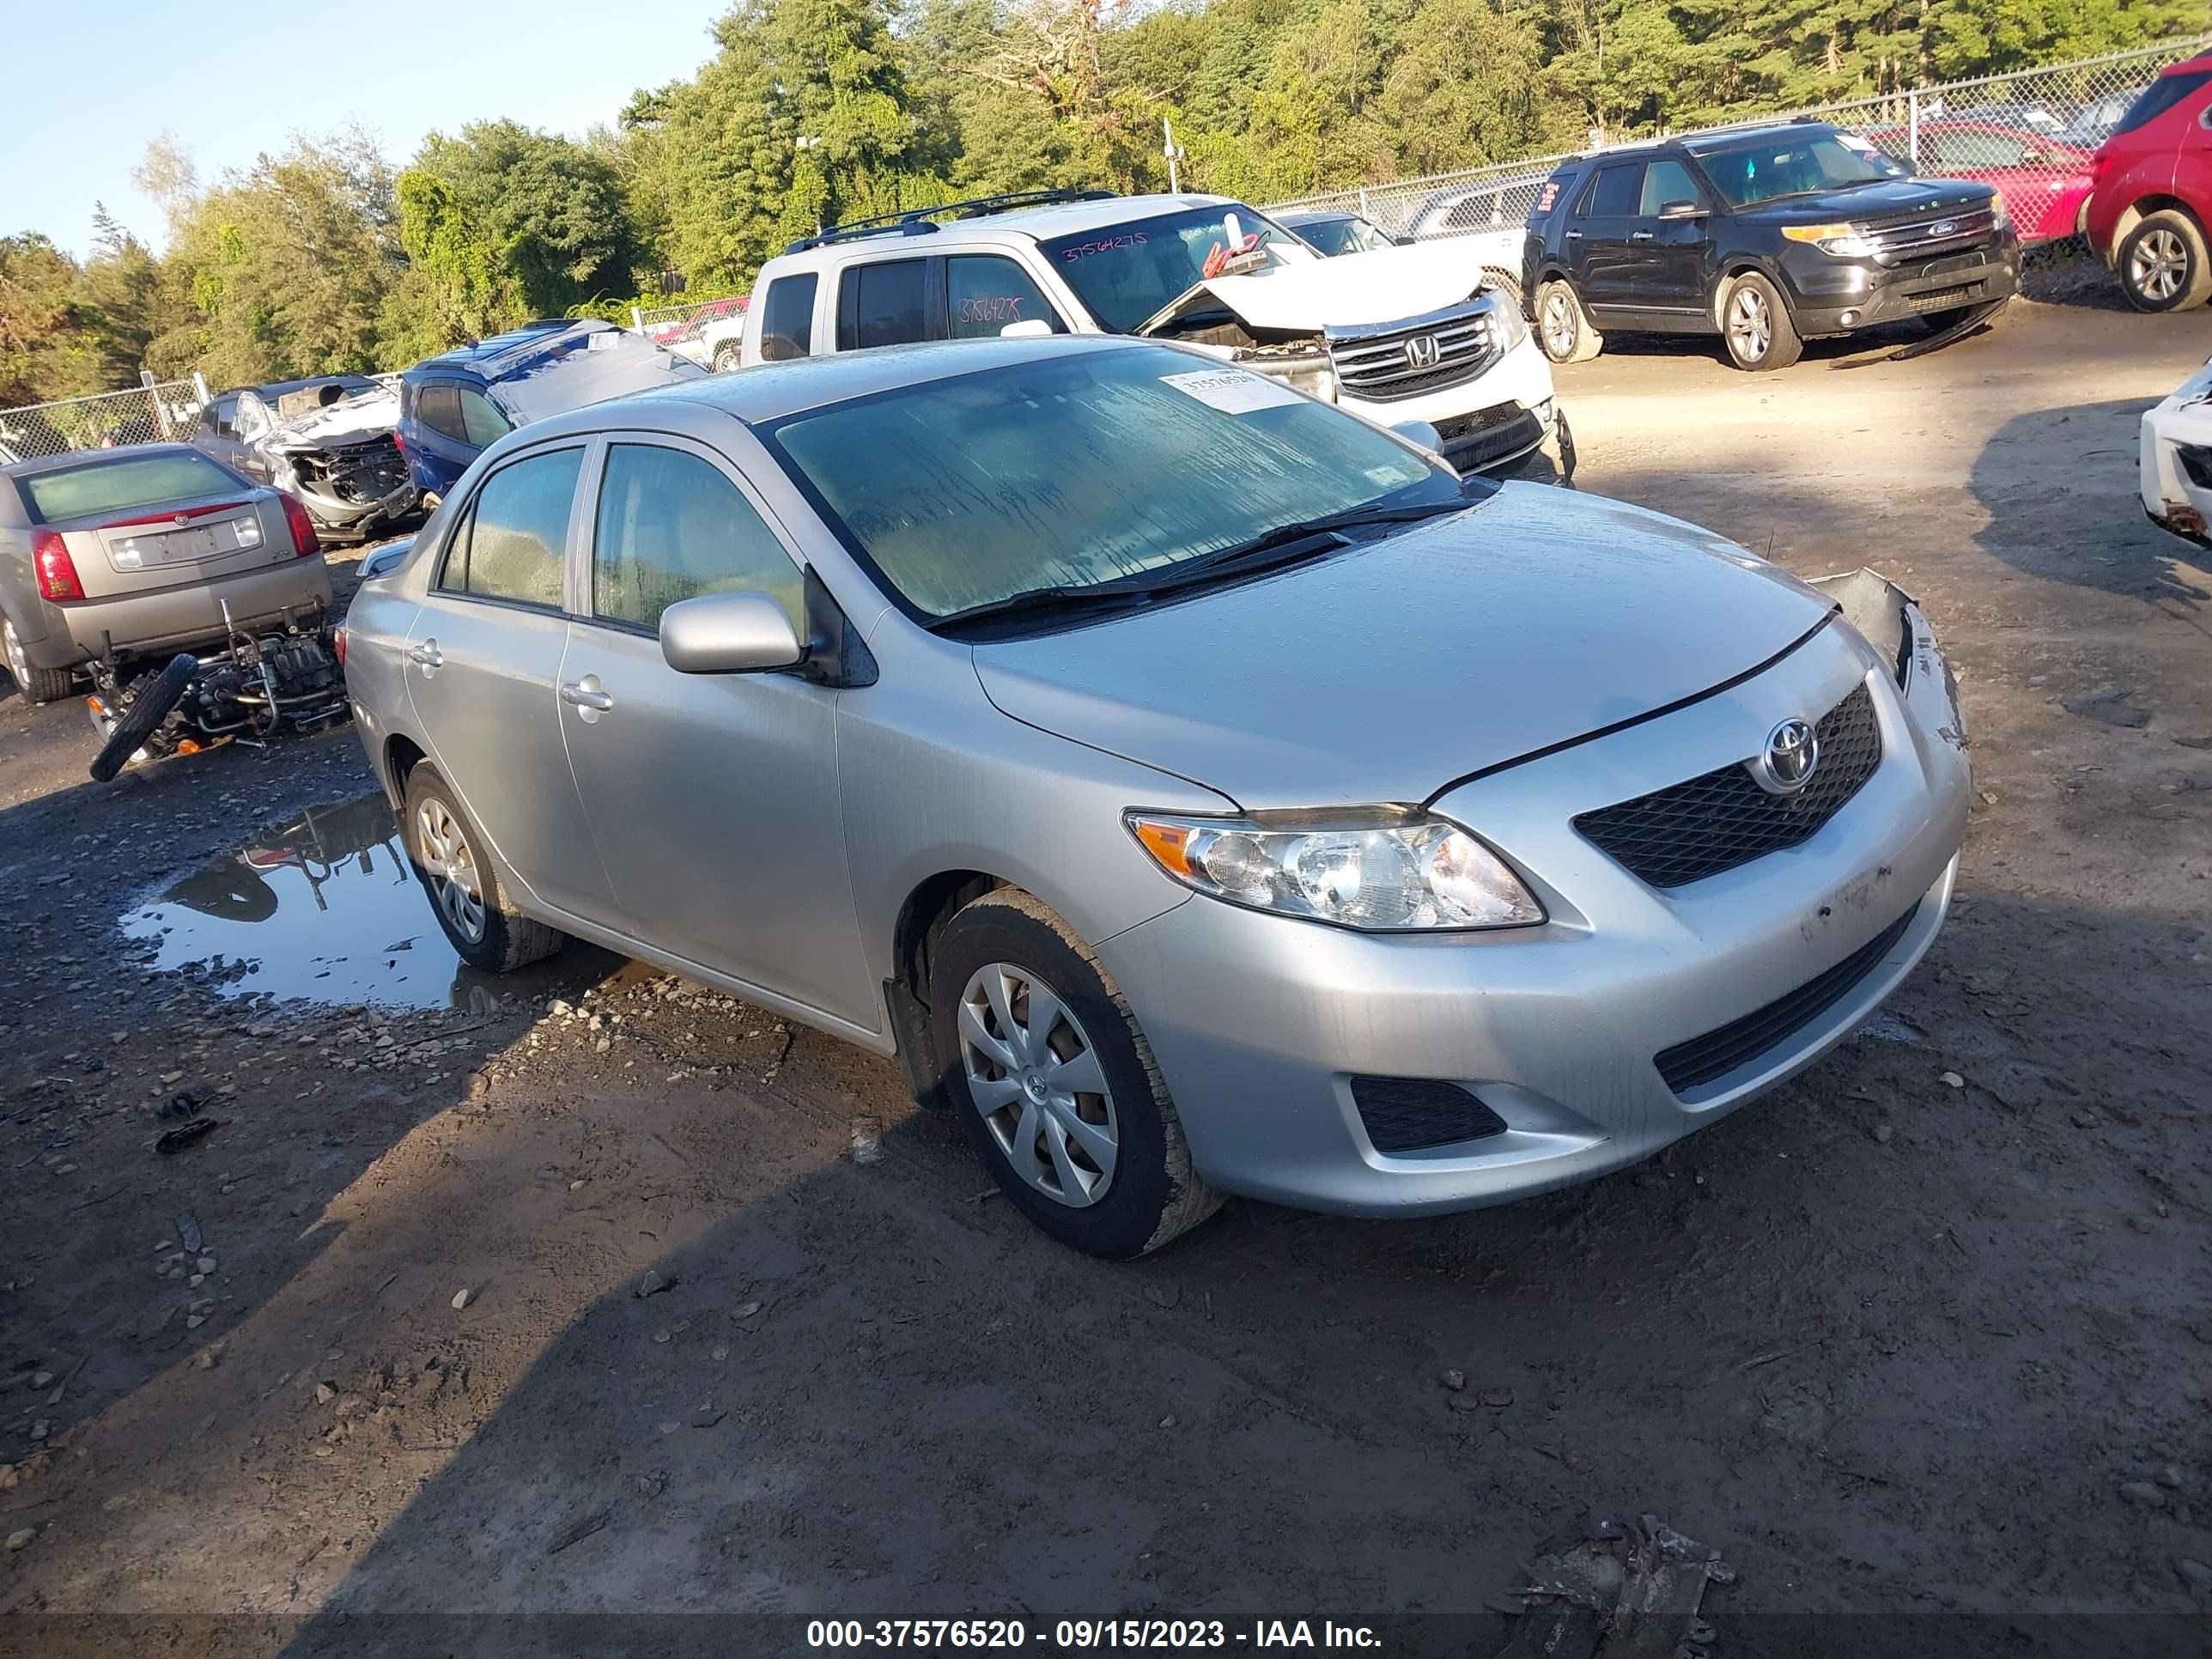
[(916, 222)]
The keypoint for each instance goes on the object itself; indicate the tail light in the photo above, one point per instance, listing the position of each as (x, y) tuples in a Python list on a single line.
[(396, 445), (339, 644), (50, 557), (302, 527)]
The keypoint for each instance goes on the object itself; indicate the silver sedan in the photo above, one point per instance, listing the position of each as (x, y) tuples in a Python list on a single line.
[(1196, 789)]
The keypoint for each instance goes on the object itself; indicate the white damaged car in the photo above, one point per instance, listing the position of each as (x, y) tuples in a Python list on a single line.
[(1416, 338), (2176, 464)]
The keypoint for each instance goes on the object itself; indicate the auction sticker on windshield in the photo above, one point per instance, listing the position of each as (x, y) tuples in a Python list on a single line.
[(1231, 390)]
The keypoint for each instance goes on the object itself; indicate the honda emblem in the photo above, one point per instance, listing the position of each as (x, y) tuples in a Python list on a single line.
[(1423, 351)]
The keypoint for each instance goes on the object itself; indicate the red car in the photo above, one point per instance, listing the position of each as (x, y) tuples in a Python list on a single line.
[(2044, 182), (2153, 196)]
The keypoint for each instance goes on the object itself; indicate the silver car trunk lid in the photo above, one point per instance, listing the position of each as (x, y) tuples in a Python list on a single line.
[(158, 547), (1383, 672)]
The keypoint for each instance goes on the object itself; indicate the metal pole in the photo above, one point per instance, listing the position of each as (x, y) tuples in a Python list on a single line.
[(1174, 155), (637, 320), (1912, 126)]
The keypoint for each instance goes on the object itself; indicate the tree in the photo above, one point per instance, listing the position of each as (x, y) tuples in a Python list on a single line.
[(43, 339)]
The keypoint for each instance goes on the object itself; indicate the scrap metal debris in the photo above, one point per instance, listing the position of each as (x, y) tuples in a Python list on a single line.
[(1620, 1593)]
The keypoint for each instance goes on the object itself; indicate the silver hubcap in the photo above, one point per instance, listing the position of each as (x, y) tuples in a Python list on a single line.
[(451, 864), (1037, 1083), (2159, 265), (1559, 324), (1750, 326)]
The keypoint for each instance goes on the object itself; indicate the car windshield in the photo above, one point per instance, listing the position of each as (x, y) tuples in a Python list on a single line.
[(1777, 166), (1335, 236), (116, 486), (1079, 469), (1127, 273)]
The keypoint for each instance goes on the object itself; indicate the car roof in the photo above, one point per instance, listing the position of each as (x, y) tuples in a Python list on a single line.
[(279, 388), (70, 458), (1700, 143), (502, 354), (769, 392), (2188, 66), (1058, 218), (1314, 216)]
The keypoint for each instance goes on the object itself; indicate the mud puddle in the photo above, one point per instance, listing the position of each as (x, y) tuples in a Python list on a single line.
[(324, 907)]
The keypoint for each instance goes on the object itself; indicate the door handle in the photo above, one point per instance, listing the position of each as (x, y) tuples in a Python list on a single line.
[(1574, 236), (427, 653), (1640, 235), (585, 693)]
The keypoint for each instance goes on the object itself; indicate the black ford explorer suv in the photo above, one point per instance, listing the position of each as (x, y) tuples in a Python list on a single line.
[(1767, 237)]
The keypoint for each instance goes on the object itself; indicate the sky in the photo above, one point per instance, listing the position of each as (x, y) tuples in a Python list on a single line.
[(94, 81)]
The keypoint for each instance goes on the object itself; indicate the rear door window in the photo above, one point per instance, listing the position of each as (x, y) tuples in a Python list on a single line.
[(985, 292), (514, 547), (1975, 147), (787, 318), (2160, 96), (1613, 193), (439, 408), (882, 304)]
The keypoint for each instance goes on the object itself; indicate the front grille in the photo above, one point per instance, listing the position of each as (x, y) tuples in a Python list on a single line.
[(1691, 1064), (1713, 823), (1925, 234), (1475, 441), (1405, 1115), (1935, 298), (1375, 366)]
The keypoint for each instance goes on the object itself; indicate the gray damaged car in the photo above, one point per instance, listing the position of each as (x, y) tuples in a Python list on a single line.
[(331, 441), (1197, 788)]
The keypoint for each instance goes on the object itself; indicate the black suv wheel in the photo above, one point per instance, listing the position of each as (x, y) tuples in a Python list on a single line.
[(1755, 325), (1563, 328)]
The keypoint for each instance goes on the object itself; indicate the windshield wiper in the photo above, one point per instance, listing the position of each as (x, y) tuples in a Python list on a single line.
[(1285, 543)]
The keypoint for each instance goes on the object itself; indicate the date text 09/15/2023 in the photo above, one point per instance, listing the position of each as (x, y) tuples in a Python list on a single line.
[(1091, 1635)]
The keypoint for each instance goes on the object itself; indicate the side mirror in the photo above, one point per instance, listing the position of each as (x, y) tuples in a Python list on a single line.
[(385, 560), (1681, 210), (1030, 328), (746, 633), (2029, 158), (1402, 241), (1418, 432)]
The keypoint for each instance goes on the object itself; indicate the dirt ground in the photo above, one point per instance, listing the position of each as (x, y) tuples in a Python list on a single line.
[(1927, 1333)]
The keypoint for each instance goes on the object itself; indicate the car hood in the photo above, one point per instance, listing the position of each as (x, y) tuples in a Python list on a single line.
[(1890, 198), (1385, 672), (349, 421), (1384, 285)]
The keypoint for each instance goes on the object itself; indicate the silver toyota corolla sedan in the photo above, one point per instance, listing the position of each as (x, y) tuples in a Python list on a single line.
[(1196, 788)]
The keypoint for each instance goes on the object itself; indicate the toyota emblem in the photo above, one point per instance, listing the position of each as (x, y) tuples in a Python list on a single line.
[(1422, 351), (1793, 751)]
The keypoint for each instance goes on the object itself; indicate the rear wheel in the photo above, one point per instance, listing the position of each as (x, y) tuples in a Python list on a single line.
[(725, 356), (1563, 328), (2162, 264), (1755, 325), (37, 684), (1506, 285), (1055, 1085), (468, 892)]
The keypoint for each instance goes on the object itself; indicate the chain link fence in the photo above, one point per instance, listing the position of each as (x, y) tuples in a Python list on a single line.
[(2029, 132), (705, 330), (157, 412)]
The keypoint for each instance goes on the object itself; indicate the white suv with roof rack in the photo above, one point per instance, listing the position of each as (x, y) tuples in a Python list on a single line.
[(1405, 337)]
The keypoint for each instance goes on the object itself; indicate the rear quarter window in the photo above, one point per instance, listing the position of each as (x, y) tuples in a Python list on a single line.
[(2160, 96), (1553, 195)]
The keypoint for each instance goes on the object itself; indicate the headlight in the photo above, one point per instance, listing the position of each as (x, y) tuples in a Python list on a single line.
[(1373, 870), (1512, 326), (1845, 241), (1997, 207), (1310, 372)]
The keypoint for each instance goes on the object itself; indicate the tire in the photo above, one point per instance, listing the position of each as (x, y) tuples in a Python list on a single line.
[(1507, 285), (147, 711), (2162, 264), (1119, 1148), (727, 355), (1564, 328), (37, 684), (1755, 325), (467, 889)]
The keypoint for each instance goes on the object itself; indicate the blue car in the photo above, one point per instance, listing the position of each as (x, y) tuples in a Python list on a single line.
[(451, 407)]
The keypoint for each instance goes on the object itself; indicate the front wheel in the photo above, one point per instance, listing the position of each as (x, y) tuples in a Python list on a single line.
[(2162, 264), (1055, 1085), (468, 892), (149, 708), (1563, 328), (1755, 325), (725, 356)]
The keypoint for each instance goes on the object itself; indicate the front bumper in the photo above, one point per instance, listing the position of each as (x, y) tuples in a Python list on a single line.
[(1260, 1024), (339, 519), (2174, 468), (1839, 296), (1491, 423)]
